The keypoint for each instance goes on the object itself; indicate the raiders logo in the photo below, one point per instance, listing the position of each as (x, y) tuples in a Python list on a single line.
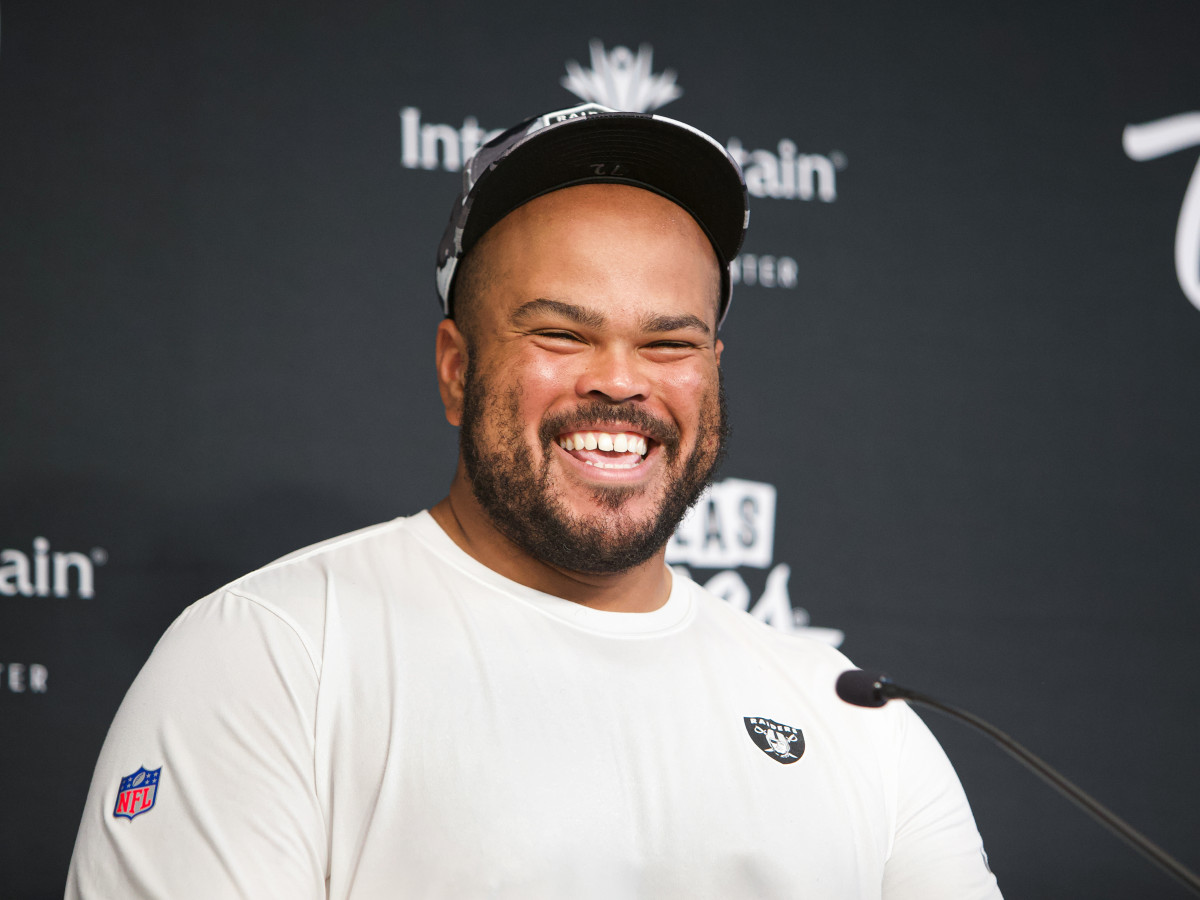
[(782, 743)]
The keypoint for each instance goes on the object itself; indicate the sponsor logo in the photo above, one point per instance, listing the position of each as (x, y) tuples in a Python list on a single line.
[(1160, 138), (19, 678), (44, 573), (765, 270), (789, 174), (782, 743), (425, 145), (49, 574), (137, 793), (733, 525), (622, 79)]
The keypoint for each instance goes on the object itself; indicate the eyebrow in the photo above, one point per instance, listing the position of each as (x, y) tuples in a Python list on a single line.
[(581, 315), (659, 324)]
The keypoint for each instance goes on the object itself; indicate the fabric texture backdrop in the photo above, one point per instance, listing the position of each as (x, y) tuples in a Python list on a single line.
[(962, 362)]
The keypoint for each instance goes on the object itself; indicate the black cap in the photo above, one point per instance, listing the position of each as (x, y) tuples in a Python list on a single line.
[(592, 144)]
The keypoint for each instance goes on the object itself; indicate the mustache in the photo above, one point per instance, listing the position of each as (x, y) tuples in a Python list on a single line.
[(599, 413)]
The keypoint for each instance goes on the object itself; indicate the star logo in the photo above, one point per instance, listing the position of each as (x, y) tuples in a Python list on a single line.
[(621, 79)]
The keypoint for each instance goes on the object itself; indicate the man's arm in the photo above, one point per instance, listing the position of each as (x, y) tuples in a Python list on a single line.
[(937, 852), (224, 709)]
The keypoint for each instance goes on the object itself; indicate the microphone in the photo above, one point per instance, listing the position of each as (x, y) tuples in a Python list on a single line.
[(872, 689)]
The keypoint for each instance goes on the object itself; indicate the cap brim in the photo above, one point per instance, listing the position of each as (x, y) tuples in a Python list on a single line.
[(651, 152)]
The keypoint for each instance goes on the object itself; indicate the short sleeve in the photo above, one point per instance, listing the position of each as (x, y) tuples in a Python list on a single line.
[(937, 853), (205, 786)]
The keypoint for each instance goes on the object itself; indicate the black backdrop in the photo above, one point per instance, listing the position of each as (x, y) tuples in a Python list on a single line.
[(966, 371)]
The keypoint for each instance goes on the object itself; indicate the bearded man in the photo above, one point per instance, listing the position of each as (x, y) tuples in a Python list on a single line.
[(511, 695)]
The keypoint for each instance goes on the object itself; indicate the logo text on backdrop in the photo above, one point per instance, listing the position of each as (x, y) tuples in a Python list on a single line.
[(1160, 138), (43, 573), (20, 678), (623, 79), (732, 525)]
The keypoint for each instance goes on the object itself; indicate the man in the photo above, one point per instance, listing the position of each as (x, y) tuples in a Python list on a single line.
[(511, 695)]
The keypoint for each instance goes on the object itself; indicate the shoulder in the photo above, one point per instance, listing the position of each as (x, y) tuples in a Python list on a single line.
[(795, 649), (318, 563), (806, 669), (288, 600), (260, 642)]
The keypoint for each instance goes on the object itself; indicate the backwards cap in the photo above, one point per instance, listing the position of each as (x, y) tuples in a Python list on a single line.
[(592, 144)]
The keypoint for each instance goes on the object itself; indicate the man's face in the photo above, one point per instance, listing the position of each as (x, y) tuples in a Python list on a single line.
[(592, 411)]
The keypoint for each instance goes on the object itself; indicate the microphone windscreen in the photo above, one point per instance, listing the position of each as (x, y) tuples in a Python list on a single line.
[(860, 688)]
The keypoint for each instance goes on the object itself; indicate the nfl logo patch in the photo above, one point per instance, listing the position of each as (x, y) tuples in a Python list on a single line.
[(137, 793)]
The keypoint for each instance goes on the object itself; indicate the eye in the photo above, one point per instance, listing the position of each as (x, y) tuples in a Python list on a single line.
[(556, 335), (669, 349)]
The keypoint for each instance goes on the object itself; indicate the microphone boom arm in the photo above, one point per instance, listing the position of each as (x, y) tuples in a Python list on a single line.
[(884, 689)]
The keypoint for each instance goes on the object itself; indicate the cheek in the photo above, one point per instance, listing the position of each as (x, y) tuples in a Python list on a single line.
[(525, 399), (688, 390), (546, 381), (543, 373)]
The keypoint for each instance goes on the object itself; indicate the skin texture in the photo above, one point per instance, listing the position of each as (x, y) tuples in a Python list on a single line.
[(593, 308)]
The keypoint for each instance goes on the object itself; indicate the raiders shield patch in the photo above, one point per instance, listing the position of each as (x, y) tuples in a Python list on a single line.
[(782, 743)]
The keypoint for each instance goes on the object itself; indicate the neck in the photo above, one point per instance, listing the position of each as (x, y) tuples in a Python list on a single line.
[(642, 588)]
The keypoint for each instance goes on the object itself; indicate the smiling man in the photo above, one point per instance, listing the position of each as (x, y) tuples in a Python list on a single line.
[(582, 366), (511, 695)]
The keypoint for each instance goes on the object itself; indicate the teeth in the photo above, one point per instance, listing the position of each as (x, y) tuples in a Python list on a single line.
[(610, 465), (602, 440)]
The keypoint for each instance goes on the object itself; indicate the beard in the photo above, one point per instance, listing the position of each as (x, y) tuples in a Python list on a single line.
[(519, 498)]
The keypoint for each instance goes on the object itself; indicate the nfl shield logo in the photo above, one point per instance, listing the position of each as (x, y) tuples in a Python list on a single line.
[(137, 793)]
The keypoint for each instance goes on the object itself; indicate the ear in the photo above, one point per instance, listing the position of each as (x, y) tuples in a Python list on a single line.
[(719, 346), (451, 369)]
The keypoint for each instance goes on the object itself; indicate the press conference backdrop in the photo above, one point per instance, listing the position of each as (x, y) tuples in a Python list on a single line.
[(963, 358)]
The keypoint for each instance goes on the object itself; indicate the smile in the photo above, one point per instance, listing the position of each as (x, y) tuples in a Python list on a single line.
[(605, 450)]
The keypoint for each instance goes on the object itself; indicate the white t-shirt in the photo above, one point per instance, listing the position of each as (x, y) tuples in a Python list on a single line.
[(381, 715)]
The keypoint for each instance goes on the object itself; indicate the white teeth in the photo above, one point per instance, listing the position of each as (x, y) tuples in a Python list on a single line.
[(602, 440)]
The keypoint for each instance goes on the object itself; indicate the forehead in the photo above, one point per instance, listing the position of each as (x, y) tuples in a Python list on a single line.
[(609, 245)]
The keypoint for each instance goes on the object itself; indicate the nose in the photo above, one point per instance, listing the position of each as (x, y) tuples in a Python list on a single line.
[(615, 374)]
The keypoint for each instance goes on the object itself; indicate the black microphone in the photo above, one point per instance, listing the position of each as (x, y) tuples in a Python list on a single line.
[(872, 689)]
